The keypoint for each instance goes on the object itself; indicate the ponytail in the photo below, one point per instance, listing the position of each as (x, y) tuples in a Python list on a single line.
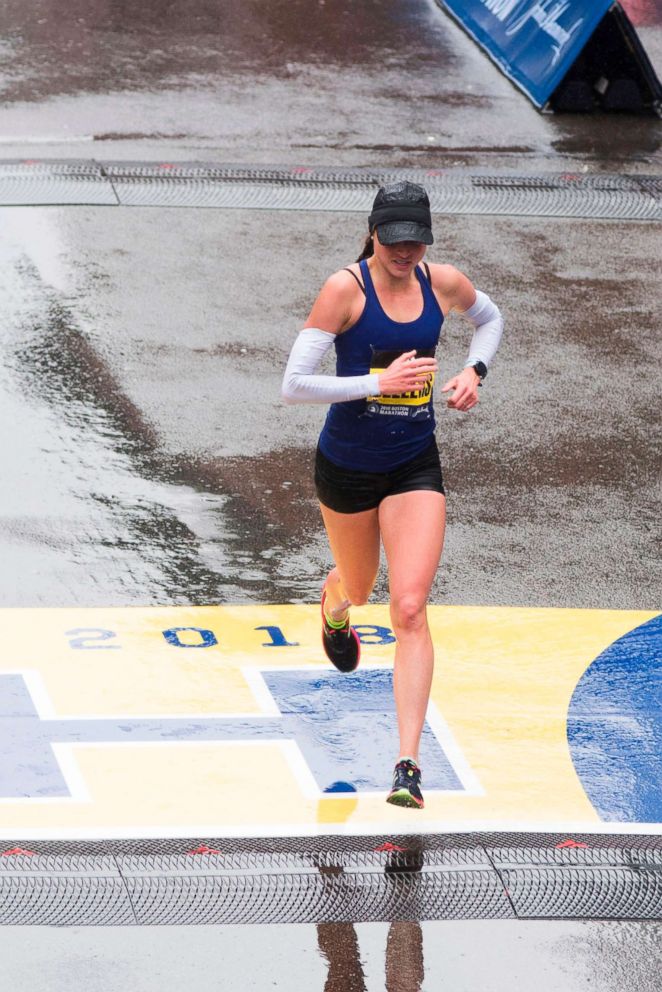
[(368, 249)]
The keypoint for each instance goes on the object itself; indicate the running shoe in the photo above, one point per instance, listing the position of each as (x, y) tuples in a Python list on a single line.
[(341, 644), (406, 789)]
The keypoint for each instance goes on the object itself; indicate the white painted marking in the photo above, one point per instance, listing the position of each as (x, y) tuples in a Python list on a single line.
[(46, 711), (37, 689), (451, 749), (412, 822), (300, 770), (405, 824), (66, 759), (453, 752), (260, 691)]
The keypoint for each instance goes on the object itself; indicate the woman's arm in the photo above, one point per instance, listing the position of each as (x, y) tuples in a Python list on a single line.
[(301, 385), (334, 308), (331, 313), (338, 305), (458, 293)]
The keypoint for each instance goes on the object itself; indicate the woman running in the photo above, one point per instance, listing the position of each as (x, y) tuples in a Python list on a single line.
[(377, 470)]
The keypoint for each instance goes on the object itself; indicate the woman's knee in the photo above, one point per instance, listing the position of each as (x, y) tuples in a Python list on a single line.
[(408, 612)]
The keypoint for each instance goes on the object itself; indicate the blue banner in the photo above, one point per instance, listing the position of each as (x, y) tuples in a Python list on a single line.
[(534, 42)]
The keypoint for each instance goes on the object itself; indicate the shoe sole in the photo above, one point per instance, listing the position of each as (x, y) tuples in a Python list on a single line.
[(345, 671), (404, 798)]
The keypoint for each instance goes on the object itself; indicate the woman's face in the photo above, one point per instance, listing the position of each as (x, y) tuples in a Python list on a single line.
[(399, 259)]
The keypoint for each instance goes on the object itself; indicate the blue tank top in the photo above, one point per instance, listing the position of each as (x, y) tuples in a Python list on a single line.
[(382, 432)]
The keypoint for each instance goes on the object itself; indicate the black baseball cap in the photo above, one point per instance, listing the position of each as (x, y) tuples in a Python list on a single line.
[(401, 212)]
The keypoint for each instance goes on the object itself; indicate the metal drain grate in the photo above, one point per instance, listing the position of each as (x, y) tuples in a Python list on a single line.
[(317, 896), (54, 183), (331, 879), (585, 892), (73, 890), (299, 188)]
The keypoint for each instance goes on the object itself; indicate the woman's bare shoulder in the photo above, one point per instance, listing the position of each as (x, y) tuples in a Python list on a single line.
[(445, 277), (343, 280), (334, 307), (452, 287)]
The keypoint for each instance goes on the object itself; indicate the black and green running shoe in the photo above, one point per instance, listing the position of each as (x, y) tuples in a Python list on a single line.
[(406, 789), (341, 644)]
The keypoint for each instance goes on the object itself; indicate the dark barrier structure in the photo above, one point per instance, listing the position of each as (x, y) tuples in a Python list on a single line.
[(566, 55)]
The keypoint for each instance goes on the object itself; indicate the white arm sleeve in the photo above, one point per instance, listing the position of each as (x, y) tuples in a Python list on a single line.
[(301, 386), (486, 318)]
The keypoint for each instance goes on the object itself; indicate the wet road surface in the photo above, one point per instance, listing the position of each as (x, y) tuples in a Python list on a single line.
[(142, 351), (149, 460), (153, 461), (558, 956), (398, 83)]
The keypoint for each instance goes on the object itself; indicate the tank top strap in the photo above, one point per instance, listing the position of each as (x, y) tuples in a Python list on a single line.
[(367, 280), (429, 298)]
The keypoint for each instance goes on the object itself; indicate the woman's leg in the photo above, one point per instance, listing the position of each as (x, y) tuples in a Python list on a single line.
[(412, 527), (354, 542)]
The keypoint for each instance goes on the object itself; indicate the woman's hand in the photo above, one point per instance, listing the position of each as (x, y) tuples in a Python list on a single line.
[(405, 374), (466, 390)]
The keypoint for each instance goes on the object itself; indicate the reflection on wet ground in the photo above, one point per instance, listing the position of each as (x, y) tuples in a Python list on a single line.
[(623, 139), (404, 964), (69, 46), (93, 510), (478, 956), (475, 958)]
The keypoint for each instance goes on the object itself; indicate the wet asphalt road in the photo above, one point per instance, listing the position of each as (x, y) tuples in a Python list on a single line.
[(480, 956), (313, 81), (152, 460), (154, 463), (149, 460)]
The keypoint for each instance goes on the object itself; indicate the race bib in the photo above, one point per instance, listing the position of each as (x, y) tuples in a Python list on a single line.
[(415, 405)]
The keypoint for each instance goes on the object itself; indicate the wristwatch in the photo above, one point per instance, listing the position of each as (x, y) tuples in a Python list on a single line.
[(479, 367)]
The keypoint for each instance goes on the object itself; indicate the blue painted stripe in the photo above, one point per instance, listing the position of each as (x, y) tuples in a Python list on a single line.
[(615, 728), (347, 729)]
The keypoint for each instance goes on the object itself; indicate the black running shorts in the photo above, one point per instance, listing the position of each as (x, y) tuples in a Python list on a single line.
[(347, 490)]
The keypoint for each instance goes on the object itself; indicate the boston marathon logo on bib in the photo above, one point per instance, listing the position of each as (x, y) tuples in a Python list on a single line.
[(415, 404)]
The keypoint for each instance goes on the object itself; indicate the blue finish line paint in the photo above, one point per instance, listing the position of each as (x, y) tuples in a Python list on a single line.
[(615, 728)]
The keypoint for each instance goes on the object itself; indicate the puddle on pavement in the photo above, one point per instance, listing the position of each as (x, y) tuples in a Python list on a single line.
[(614, 142), (93, 512), (160, 45), (458, 955)]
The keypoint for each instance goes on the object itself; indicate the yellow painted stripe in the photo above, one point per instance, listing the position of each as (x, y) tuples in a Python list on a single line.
[(502, 683)]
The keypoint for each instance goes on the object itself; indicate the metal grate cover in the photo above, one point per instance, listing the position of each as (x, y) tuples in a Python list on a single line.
[(54, 183), (599, 893), (331, 879), (166, 184), (73, 890)]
